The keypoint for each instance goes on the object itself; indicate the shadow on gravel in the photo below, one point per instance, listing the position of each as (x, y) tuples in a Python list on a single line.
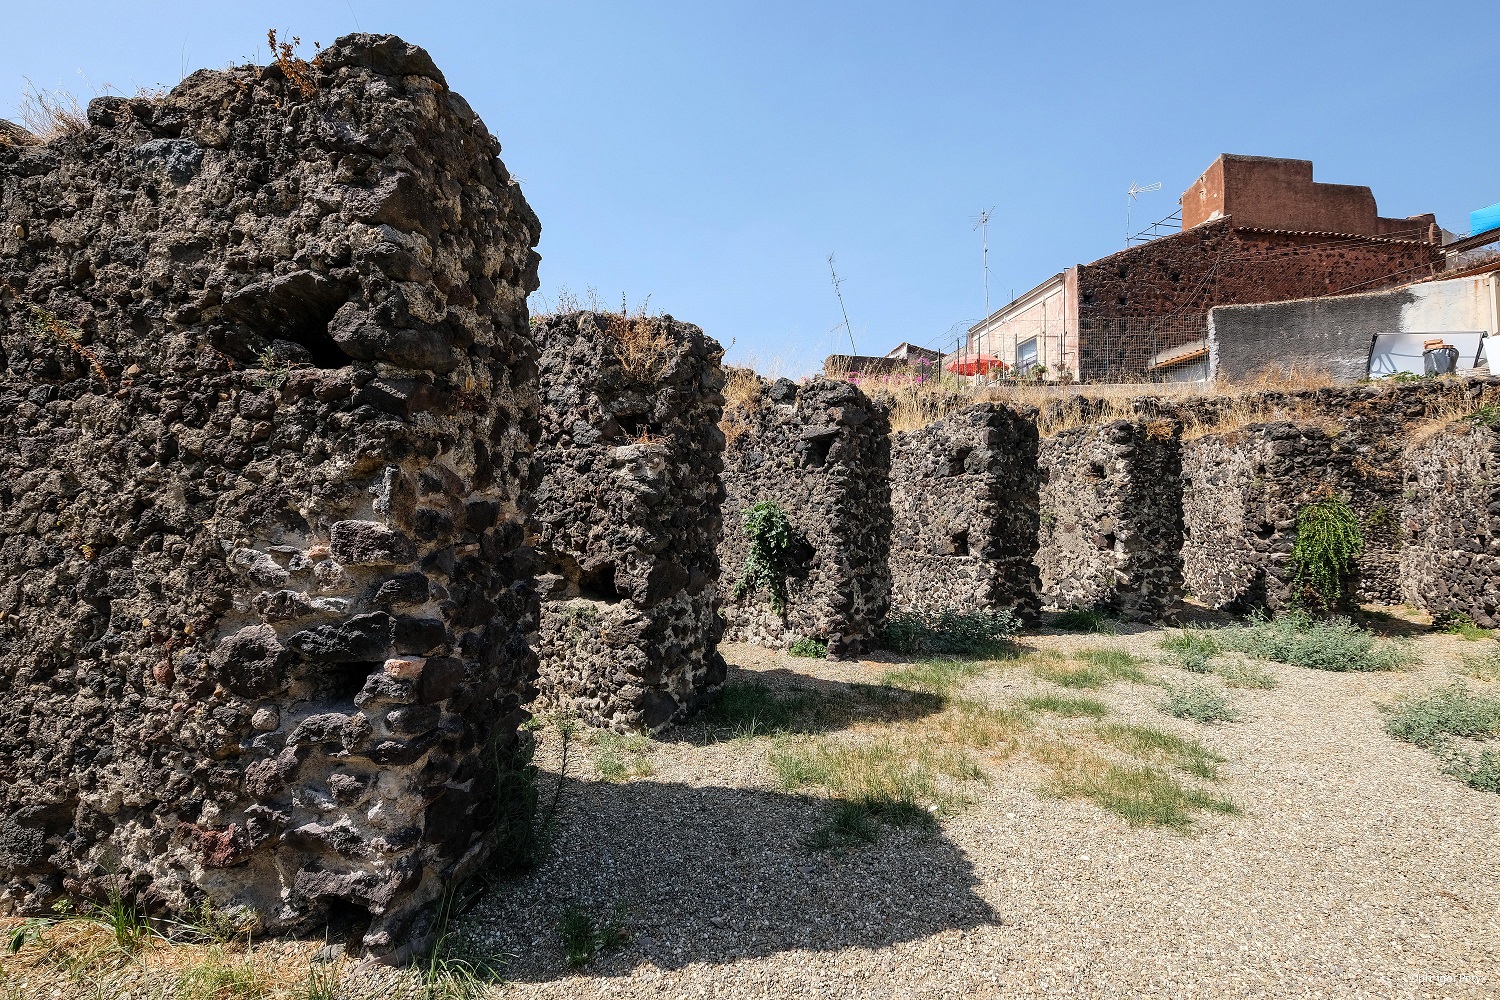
[(717, 874), (782, 700)]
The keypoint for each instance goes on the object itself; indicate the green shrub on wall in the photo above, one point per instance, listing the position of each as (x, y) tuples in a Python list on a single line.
[(1328, 541), (772, 553)]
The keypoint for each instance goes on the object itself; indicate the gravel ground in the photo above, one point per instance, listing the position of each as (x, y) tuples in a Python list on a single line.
[(1354, 869)]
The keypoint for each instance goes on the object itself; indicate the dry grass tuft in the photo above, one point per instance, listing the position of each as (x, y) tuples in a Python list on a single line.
[(51, 114), (742, 396), (640, 345), (47, 326)]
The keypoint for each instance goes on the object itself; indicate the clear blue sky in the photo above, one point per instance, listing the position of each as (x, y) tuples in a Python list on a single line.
[(712, 154)]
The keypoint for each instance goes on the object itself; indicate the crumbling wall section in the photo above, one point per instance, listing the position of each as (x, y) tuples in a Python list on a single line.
[(821, 452), (627, 518), (964, 512), (1450, 564), (267, 415), (1111, 518)]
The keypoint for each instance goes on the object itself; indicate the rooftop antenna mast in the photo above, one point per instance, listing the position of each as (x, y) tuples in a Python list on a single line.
[(836, 282), (1136, 190), (982, 223)]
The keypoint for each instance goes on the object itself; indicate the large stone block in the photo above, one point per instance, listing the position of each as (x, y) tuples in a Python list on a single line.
[(964, 512), (1111, 518), (1450, 563), (821, 452), (266, 423), (627, 517)]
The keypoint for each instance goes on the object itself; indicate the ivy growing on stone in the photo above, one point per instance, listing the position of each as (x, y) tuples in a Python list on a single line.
[(771, 557), (1328, 540)]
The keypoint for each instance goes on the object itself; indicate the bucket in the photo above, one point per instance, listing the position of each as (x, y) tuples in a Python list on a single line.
[(1440, 360)]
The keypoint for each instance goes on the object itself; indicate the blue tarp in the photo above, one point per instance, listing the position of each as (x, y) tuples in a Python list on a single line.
[(1485, 219)]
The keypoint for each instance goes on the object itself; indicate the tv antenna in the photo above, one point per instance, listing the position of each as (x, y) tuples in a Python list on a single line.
[(982, 223), (836, 282), (1136, 190)]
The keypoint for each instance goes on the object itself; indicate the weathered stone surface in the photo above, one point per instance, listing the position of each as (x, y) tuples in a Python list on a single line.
[(260, 352), (1111, 518), (1450, 563), (821, 451), (964, 512), (627, 517)]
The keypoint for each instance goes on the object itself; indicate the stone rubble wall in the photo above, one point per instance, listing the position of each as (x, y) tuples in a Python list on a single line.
[(821, 451), (1111, 518), (627, 518), (267, 412), (964, 513), (1451, 516)]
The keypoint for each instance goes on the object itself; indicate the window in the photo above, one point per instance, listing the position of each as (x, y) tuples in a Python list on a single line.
[(1025, 356)]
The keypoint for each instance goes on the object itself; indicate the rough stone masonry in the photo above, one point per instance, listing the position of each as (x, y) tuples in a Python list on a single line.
[(627, 518), (1111, 518), (821, 452), (964, 512), (267, 412)]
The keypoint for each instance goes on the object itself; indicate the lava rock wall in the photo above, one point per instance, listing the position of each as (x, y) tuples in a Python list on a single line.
[(1450, 564), (627, 518), (267, 413), (821, 451), (964, 513), (1111, 518)]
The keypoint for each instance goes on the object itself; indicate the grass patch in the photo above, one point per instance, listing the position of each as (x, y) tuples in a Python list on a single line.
[(1067, 707), (1247, 675), (1168, 748), (896, 779), (219, 978), (1094, 669), (1318, 643), (1198, 702), (1450, 722), (1085, 620), (1461, 625), (965, 633), (620, 756), (939, 676), (982, 727), (1140, 794), (1483, 668)]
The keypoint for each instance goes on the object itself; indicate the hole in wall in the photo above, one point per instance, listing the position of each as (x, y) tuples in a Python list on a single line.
[(598, 584), (815, 452), (959, 542)]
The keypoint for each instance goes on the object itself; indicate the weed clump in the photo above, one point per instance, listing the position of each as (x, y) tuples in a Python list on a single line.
[(1200, 703), (1304, 641), (808, 647), (966, 633), (1450, 722), (1084, 620), (583, 936), (1095, 669), (1485, 667), (1068, 708)]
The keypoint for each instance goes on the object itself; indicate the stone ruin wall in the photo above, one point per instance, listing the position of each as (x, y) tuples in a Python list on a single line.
[(821, 451), (1111, 518), (1451, 516), (964, 512), (627, 518), (265, 400)]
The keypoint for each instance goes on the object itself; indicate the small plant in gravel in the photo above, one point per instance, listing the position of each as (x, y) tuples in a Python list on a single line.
[(1485, 667), (1085, 620), (981, 726), (966, 633), (1068, 708), (808, 647), (1200, 703), (1319, 643), (583, 935), (1453, 723), (849, 824), (1192, 648), (1238, 674), (620, 756)]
